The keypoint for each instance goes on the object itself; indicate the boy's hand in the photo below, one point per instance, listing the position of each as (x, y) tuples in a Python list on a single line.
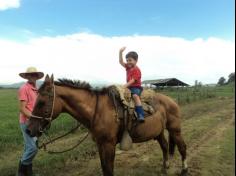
[(125, 86), (121, 57), (122, 49)]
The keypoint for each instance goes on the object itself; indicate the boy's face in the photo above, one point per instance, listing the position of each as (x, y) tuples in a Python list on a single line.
[(131, 62)]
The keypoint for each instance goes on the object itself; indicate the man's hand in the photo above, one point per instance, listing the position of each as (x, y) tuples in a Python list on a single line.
[(24, 110), (122, 49)]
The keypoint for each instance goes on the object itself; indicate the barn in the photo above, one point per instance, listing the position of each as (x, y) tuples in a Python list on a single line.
[(169, 82)]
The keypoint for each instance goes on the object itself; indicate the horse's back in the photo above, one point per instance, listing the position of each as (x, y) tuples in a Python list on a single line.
[(170, 106)]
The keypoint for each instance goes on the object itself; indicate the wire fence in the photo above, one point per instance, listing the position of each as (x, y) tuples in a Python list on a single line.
[(184, 95)]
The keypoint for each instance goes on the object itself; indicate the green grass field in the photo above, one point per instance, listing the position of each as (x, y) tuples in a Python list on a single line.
[(208, 128)]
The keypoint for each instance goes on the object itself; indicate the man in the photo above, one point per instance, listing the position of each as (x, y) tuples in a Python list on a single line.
[(27, 96)]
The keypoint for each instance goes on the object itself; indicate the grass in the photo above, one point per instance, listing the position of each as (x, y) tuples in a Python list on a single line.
[(216, 156), (219, 155)]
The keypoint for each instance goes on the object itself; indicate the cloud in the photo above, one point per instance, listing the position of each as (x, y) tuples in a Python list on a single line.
[(7, 4), (94, 58)]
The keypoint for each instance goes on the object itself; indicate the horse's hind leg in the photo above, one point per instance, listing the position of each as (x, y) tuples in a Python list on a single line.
[(182, 149), (164, 146), (175, 138), (172, 145)]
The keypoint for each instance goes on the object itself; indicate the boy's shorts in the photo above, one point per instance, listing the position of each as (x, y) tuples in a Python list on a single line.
[(136, 90)]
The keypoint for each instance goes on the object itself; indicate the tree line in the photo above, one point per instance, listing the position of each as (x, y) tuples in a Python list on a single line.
[(223, 81)]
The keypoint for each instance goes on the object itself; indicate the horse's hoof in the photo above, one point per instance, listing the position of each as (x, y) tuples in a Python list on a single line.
[(164, 171), (167, 165), (184, 172)]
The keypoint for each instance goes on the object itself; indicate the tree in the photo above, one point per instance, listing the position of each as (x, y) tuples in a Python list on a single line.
[(231, 77), (221, 81), (198, 83)]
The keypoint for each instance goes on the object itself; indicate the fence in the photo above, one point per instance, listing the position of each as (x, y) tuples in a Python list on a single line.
[(185, 95)]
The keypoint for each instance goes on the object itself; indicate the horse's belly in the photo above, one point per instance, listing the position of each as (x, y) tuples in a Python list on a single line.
[(150, 129)]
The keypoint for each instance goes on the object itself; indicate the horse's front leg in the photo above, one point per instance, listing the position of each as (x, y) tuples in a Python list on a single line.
[(107, 156)]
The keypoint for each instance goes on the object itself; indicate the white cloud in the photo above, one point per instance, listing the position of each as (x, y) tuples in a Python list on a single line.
[(94, 57), (7, 4)]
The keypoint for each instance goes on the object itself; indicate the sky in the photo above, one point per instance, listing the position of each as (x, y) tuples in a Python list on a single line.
[(80, 39)]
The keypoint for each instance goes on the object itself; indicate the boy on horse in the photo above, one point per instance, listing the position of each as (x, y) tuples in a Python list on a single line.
[(133, 78)]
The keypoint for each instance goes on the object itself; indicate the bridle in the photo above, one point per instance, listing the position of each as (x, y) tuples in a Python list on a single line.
[(49, 119)]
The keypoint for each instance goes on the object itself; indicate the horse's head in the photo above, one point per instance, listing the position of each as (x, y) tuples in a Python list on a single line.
[(42, 114)]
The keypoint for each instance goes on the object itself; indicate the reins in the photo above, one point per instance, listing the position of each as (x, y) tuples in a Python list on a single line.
[(44, 145)]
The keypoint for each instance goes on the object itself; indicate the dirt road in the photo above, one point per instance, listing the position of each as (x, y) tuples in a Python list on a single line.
[(208, 128)]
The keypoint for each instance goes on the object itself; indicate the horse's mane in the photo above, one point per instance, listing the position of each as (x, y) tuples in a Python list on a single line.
[(77, 84)]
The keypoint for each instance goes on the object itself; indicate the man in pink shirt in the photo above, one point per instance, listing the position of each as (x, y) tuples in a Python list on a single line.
[(27, 95)]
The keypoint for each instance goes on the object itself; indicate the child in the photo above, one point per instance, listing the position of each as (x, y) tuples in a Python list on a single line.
[(133, 80)]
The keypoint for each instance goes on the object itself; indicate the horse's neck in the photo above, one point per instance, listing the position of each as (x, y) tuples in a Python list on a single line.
[(78, 103)]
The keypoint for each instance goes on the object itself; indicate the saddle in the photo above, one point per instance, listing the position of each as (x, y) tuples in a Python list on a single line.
[(123, 95), (125, 110)]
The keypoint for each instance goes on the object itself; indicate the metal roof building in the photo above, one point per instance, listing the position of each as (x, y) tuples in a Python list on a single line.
[(165, 82)]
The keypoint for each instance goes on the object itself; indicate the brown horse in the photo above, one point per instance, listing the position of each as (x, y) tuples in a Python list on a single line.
[(96, 111)]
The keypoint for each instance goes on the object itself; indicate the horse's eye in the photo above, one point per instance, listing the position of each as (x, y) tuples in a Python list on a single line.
[(41, 104)]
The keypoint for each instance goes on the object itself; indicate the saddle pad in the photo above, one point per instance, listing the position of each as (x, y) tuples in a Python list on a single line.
[(126, 98)]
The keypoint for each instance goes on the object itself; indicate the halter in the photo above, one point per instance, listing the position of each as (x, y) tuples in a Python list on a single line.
[(49, 119)]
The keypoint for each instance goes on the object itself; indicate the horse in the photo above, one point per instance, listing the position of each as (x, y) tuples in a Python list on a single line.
[(95, 110)]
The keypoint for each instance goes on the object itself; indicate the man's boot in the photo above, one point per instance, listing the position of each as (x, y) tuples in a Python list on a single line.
[(29, 170), (22, 170)]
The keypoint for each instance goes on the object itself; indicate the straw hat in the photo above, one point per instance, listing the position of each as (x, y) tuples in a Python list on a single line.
[(30, 71)]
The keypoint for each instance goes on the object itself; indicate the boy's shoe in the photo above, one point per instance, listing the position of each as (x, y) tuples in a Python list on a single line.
[(141, 119)]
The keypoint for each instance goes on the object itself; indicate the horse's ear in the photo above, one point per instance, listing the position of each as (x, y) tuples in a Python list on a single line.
[(52, 78), (47, 78)]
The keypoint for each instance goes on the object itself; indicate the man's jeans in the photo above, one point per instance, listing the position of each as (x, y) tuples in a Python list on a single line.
[(30, 148)]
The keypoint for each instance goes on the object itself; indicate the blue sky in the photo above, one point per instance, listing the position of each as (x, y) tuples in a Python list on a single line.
[(187, 39), (173, 18)]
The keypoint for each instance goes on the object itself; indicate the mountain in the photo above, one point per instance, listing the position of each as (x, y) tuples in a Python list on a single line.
[(39, 83), (18, 85)]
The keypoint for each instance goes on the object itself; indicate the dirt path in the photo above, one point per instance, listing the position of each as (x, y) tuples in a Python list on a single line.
[(146, 158), (199, 144), (141, 152)]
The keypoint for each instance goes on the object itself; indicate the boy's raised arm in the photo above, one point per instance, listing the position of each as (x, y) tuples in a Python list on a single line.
[(121, 56)]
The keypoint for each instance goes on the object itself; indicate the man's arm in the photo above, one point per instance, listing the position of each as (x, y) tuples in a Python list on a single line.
[(23, 109), (121, 56)]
